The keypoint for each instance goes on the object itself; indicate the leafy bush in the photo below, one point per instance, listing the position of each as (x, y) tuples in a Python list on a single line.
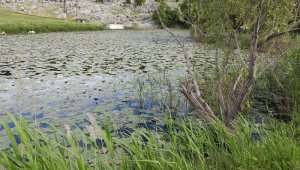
[(245, 39), (169, 16), (139, 2), (277, 90)]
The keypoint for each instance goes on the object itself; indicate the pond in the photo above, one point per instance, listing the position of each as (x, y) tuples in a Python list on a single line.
[(130, 75)]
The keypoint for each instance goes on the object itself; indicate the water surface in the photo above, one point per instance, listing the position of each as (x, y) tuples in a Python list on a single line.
[(59, 77)]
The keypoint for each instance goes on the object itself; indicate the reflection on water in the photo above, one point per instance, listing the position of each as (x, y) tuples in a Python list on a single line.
[(58, 77)]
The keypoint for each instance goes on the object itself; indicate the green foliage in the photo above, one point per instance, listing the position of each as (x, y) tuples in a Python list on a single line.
[(191, 11), (13, 23), (139, 2), (283, 78), (99, 1), (225, 17), (169, 16), (244, 40)]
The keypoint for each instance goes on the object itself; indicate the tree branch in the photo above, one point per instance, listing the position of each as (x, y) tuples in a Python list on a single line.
[(191, 72), (252, 63), (195, 98)]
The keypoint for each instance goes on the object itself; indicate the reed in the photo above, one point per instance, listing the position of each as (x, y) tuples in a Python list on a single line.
[(185, 145)]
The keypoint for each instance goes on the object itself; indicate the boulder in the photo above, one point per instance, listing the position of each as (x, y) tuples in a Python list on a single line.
[(61, 16), (31, 32), (82, 20)]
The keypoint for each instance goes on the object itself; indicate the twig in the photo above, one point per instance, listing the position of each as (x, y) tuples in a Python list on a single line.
[(191, 72), (195, 98), (239, 50)]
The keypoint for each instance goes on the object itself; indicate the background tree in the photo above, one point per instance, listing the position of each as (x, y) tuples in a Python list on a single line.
[(169, 16)]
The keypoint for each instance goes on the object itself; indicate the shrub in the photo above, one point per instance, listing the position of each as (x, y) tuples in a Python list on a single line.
[(169, 16), (139, 2)]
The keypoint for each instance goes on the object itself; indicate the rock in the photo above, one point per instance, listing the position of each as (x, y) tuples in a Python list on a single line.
[(282, 117), (82, 20), (147, 26), (107, 13), (61, 16), (2, 33), (31, 32), (255, 136), (115, 26)]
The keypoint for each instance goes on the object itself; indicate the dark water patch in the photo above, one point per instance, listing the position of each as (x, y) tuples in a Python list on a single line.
[(86, 68), (30, 68), (63, 115), (124, 131), (40, 115), (17, 138), (10, 124), (85, 120), (119, 107), (44, 125), (255, 136), (53, 103), (93, 101), (144, 139), (282, 117), (5, 73), (152, 125), (78, 125), (33, 115), (26, 113), (142, 67), (51, 68), (100, 143), (272, 103)]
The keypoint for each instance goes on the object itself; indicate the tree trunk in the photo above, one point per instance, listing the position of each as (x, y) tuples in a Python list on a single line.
[(65, 9)]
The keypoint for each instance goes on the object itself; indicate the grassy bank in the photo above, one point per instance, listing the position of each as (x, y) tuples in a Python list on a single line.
[(14, 23), (184, 145)]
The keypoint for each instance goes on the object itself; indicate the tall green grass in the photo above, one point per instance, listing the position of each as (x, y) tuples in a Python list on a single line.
[(185, 145), (13, 23)]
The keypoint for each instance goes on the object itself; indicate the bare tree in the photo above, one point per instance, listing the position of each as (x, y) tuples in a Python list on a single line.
[(230, 100)]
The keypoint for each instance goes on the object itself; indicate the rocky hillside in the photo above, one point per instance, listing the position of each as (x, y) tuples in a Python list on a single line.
[(108, 12)]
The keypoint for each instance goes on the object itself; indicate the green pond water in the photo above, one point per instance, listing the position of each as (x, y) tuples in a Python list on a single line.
[(131, 75)]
